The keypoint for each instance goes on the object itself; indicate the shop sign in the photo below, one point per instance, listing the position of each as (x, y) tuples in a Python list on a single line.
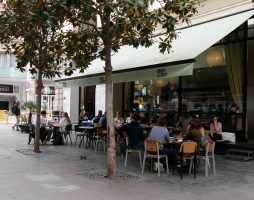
[(6, 88), (161, 73)]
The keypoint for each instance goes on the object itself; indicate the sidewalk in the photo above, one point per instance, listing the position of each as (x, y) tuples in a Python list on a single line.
[(59, 173)]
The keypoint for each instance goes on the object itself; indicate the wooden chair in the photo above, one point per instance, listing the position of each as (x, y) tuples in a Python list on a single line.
[(209, 154), (152, 150), (101, 138), (188, 151)]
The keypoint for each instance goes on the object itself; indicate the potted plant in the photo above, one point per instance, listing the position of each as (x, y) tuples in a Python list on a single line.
[(29, 105)]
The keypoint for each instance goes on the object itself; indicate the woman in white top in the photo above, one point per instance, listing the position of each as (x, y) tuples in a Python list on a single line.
[(128, 119), (64, 121), (118, 120)]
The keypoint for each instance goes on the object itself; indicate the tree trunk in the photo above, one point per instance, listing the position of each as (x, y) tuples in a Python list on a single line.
[(30, 117), (111, 148), (38, 113)]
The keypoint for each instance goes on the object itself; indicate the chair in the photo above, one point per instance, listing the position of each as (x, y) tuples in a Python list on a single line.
[(188, 151), (68, 129), (100, 138), (32, 134), (152, 150), (79, 134), (129, 150), (209, 154)]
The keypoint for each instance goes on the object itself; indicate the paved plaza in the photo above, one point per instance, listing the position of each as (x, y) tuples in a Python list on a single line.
[(59, 173)]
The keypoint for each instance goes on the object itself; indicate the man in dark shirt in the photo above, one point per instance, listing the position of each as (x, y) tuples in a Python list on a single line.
[(16, 111), (134, 132), (97, 118), (103, 121)]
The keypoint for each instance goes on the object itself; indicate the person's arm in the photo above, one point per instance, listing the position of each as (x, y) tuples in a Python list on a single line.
[(167, 136), (188, 128), (211, 129)]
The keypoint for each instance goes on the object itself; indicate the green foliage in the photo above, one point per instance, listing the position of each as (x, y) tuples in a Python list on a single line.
[(123, 22), (31, 30), (29, 105)]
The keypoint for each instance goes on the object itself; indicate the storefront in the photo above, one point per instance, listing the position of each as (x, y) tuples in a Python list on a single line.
[(206, 73)]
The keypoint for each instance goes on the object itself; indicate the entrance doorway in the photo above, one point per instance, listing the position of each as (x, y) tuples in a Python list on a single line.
[(4, 105)]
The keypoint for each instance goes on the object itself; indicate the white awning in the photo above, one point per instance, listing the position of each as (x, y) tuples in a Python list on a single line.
[(131, 64)]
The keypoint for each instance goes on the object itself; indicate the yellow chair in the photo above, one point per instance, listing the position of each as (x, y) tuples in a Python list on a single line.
[(152, 150), (188, 151)]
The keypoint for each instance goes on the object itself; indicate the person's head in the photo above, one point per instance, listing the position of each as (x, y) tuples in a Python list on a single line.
[(99, 112), (43, 113), (18, 103), (163, 121), (155, 119), (215, 118), (118, 114), (65, 115), (135, 117), (202, 131)]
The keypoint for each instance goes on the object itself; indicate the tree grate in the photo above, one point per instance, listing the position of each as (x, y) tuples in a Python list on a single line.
[(30, 151), (122, 177)]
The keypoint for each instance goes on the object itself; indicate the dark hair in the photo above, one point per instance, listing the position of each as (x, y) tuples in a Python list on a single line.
[(163, 121), (43, 112), (136, 117)]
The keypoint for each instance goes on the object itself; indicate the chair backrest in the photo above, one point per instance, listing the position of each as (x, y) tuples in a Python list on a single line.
[(68, 127), (96, 125), (76, 128), (209, 147), (188, 147), (152, 146), (101, 132)]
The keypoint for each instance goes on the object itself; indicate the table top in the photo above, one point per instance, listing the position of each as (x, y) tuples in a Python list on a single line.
[(86, 127)]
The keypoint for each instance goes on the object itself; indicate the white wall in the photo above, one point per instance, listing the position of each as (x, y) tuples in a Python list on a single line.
[(71, 103), (100, 98)]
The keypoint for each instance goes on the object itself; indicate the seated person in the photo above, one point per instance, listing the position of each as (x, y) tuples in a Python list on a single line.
[(118, 120), (134, 132), (160, 132), (194, 130), (155, 119), (97, 118), (103, 121), (128, 119), (83, 116), (216, 129), (194, 123), (46, 131), (63, 122)]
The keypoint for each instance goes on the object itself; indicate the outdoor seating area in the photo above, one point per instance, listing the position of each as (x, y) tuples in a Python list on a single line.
[(89, 136)]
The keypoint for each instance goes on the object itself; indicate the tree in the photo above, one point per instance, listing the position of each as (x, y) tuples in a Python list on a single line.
[(31, 30), (122, 22), (30, 106)]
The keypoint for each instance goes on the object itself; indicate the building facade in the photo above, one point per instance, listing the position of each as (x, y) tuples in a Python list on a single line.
[(209, 72)]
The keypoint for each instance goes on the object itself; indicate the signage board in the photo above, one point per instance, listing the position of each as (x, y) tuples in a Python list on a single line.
[(6, 88)]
